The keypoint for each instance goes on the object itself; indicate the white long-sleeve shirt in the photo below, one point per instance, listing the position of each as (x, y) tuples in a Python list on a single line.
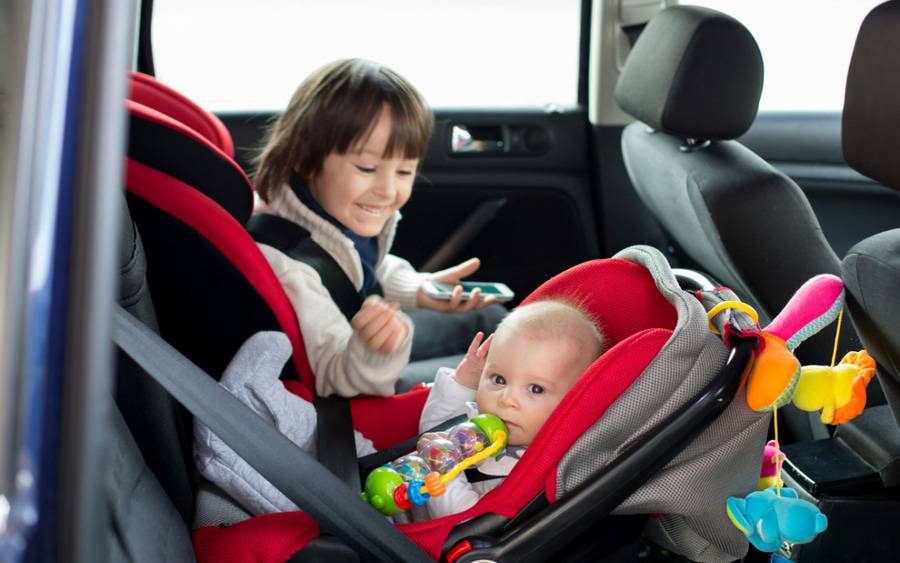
[(449, 399), (342, 363)]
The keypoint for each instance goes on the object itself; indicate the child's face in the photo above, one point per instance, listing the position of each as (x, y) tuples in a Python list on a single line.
[(525, 378), (361, 189)]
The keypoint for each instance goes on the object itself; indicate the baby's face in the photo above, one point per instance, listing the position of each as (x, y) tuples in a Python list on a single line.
[(525, 378)]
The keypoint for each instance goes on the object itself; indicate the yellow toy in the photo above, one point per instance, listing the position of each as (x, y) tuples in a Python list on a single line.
[(839, 391)]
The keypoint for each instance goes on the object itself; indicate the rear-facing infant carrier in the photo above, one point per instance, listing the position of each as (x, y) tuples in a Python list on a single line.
[(649, 438)]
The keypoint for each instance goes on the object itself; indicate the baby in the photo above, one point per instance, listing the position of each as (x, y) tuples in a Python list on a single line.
[(520, 373)]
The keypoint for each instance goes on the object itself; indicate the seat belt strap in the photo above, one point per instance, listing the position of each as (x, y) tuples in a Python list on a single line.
[(291, 470), (335, 443)]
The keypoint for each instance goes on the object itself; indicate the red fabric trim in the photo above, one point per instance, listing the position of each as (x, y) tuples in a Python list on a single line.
[(620, 295), (148, 91), (272, 537), (222, 231), (389, 420)]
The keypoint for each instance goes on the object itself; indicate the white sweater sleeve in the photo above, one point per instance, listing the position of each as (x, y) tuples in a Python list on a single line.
[(399, 280), (342, 363), (446, 400), (458, 496)]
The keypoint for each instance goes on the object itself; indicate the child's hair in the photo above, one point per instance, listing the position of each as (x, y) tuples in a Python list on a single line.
[(557, 318), (335, 107)]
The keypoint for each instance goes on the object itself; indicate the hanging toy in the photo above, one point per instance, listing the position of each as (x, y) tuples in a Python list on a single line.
[(413, 479), (776, 377), (776, 371), (839, 391), (770, 472), (774, 516)]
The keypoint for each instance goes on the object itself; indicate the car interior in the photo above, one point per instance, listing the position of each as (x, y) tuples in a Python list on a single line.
[(665, 164)]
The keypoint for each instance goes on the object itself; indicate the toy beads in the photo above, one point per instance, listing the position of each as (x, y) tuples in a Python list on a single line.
[(411, 467), (441, 455), (400, 485)]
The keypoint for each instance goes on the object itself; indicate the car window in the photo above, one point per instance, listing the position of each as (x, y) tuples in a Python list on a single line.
[(237, 55), (806, 47)]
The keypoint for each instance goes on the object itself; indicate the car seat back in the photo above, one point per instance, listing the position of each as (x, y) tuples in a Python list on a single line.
[(870, 137), (693, 81)]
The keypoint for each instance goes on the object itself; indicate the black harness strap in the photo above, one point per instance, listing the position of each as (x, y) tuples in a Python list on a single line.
[(335, 445)]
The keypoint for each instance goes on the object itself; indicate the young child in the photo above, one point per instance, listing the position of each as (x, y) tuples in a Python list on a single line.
[(519, 374), (340, 162)]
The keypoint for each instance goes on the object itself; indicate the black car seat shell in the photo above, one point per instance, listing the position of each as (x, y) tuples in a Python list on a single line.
[(870, 138), (693, 81)]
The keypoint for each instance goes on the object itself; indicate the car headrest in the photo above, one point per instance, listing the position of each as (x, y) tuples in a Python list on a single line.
[(869, 131), (147, 91), (695, 73), (165, 144)]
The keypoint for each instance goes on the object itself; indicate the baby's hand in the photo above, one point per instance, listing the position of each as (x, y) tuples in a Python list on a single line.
[(468, 372), (428, 436), (379, 325)]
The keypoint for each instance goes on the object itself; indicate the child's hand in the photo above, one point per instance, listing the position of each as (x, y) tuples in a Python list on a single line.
[(468, 372), (455, 304), (379, 325), (426, 437)]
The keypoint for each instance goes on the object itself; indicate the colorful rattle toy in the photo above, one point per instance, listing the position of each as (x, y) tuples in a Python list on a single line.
[(774, 516), (415, 478)]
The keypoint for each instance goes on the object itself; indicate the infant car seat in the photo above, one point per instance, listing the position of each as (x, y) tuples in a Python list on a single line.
[(603, 447)]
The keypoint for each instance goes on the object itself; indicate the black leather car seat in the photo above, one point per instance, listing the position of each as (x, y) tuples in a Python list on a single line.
[(693, 81), (870, 137)]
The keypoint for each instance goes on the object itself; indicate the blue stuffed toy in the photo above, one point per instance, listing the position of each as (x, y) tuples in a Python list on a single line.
[(768, 520)]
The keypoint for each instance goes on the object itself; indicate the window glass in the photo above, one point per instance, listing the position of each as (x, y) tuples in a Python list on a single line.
[(251, 54), (805, 44)]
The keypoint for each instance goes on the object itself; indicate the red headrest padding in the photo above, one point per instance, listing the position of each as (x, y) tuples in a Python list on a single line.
[(220, 229), (147, 91), (620, 295), (160, 142)]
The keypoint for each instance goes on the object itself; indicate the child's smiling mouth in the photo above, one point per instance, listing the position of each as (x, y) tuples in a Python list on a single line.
[(373, 209)]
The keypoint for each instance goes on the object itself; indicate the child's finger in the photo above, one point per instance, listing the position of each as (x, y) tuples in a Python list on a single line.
[(367, 312), (455, 298), (375, 326), (484, 348), (394, 342), (476, 343), (472, 301)]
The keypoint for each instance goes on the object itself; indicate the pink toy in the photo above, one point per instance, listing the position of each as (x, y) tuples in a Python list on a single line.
[(770, 472)]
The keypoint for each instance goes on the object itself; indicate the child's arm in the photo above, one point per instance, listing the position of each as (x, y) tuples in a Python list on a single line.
[(446, 400), (458, 496)]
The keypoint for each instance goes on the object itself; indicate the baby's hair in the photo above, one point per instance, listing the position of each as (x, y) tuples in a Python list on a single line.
[(331, 111), (557, 318)]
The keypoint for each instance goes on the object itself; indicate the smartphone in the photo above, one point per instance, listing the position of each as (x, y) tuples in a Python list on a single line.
[(443, 290)]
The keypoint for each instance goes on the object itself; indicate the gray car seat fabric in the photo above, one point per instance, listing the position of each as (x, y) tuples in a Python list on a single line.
[(723, 461), (148, 486), (739, 218), (870, 137)]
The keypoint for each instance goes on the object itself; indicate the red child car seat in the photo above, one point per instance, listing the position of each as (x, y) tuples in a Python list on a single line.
[(212, 288)]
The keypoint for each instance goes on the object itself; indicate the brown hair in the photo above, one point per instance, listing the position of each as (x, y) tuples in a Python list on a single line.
[(336, 106)]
